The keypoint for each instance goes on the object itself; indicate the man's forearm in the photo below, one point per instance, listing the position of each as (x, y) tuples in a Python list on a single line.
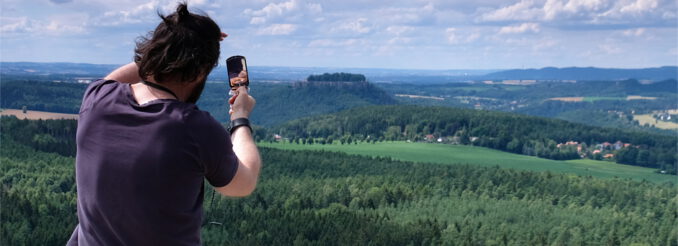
[(246, 150), (127, 74)]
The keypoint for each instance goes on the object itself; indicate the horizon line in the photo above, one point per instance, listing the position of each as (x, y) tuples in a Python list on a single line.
[(383, 68)]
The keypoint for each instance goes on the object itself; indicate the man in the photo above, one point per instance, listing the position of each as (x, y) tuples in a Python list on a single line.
[(145, 149)]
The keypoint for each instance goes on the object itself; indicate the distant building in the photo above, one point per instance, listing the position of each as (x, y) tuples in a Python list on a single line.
[(618, 145), (430, 137), (84, 80)]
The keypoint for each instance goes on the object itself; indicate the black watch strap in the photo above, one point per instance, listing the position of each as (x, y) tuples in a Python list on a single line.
[(238, 123)]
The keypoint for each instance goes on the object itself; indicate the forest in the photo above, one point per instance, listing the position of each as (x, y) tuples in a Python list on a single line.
[(283, 102), (337, 77), (503, 131), (327, 198), (604, 102)]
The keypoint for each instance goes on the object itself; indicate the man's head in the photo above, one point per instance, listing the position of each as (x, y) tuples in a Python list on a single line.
[(183, 48)]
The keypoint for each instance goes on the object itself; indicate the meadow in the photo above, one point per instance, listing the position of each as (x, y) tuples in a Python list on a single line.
[(648, 119), (479, 156)]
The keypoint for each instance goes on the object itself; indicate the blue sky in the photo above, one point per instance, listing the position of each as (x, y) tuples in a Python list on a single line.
[(417, 34)]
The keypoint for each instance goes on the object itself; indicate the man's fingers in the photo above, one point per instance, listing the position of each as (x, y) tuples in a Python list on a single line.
[(243, 89), (232, 99), (223, 36)]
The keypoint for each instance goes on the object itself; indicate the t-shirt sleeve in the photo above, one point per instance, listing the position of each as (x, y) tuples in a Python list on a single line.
[(215, 149), (94, 91)]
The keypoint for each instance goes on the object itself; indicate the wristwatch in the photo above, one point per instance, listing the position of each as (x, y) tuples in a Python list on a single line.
[(238, 123)]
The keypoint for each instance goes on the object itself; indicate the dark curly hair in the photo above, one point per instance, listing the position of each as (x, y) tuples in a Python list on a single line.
[(181, 48)]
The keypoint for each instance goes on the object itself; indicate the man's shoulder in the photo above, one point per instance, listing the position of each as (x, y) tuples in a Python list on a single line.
[(99, 84), (200, 119), (95, 91)]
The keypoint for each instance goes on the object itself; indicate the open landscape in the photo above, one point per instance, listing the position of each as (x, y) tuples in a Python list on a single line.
[(413, 123)]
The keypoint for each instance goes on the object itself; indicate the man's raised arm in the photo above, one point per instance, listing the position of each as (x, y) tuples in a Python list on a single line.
[(249, 162), (127, 74)]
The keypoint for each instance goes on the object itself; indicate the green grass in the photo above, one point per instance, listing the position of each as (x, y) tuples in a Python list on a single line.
[(461, 154), (648, 119), (593, 99)]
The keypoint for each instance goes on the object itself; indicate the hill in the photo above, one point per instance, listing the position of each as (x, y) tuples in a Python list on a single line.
[(529, 135), (277, 102), (587, 73)]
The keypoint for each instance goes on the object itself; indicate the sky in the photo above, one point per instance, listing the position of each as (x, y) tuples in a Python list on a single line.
[(414, 34)]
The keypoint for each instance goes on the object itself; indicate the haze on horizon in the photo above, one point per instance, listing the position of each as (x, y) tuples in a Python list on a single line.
[(422, 34)]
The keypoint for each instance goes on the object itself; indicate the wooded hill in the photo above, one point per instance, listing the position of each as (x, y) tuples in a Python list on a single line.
[(276, 103), (337, 77), (503, 131)]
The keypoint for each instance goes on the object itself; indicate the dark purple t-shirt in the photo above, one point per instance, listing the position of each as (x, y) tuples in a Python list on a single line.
[(140, 169)]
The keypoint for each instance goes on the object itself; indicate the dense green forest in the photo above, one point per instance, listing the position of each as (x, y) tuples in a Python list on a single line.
[(503, 131), (326, 198), (41, 96), (277, 103)]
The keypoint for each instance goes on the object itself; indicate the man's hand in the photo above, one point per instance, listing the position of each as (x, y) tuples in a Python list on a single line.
[(223, 36), (241, 104)]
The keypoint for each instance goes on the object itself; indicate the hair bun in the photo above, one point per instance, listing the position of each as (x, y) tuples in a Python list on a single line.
[(182, 11)]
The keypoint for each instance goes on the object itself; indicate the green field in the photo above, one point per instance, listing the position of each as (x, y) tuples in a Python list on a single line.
[(461, 154), (648, 119)]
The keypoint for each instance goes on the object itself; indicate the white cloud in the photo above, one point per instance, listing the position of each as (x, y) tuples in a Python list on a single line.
[(14, 24), (257, 20), (523, 10), (399, 30), (522, 28), (283, 10), (640, 6), (636, 32), (336, 43), (455, 36), (23, 25), (278, 29), (273, 9), (355, 26), (583, 12), (55, 27), (399, 40), (472, 37), (419, 15), (452, 37)]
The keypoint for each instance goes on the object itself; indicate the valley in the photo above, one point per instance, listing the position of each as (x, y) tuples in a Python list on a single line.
[(484, 157)]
